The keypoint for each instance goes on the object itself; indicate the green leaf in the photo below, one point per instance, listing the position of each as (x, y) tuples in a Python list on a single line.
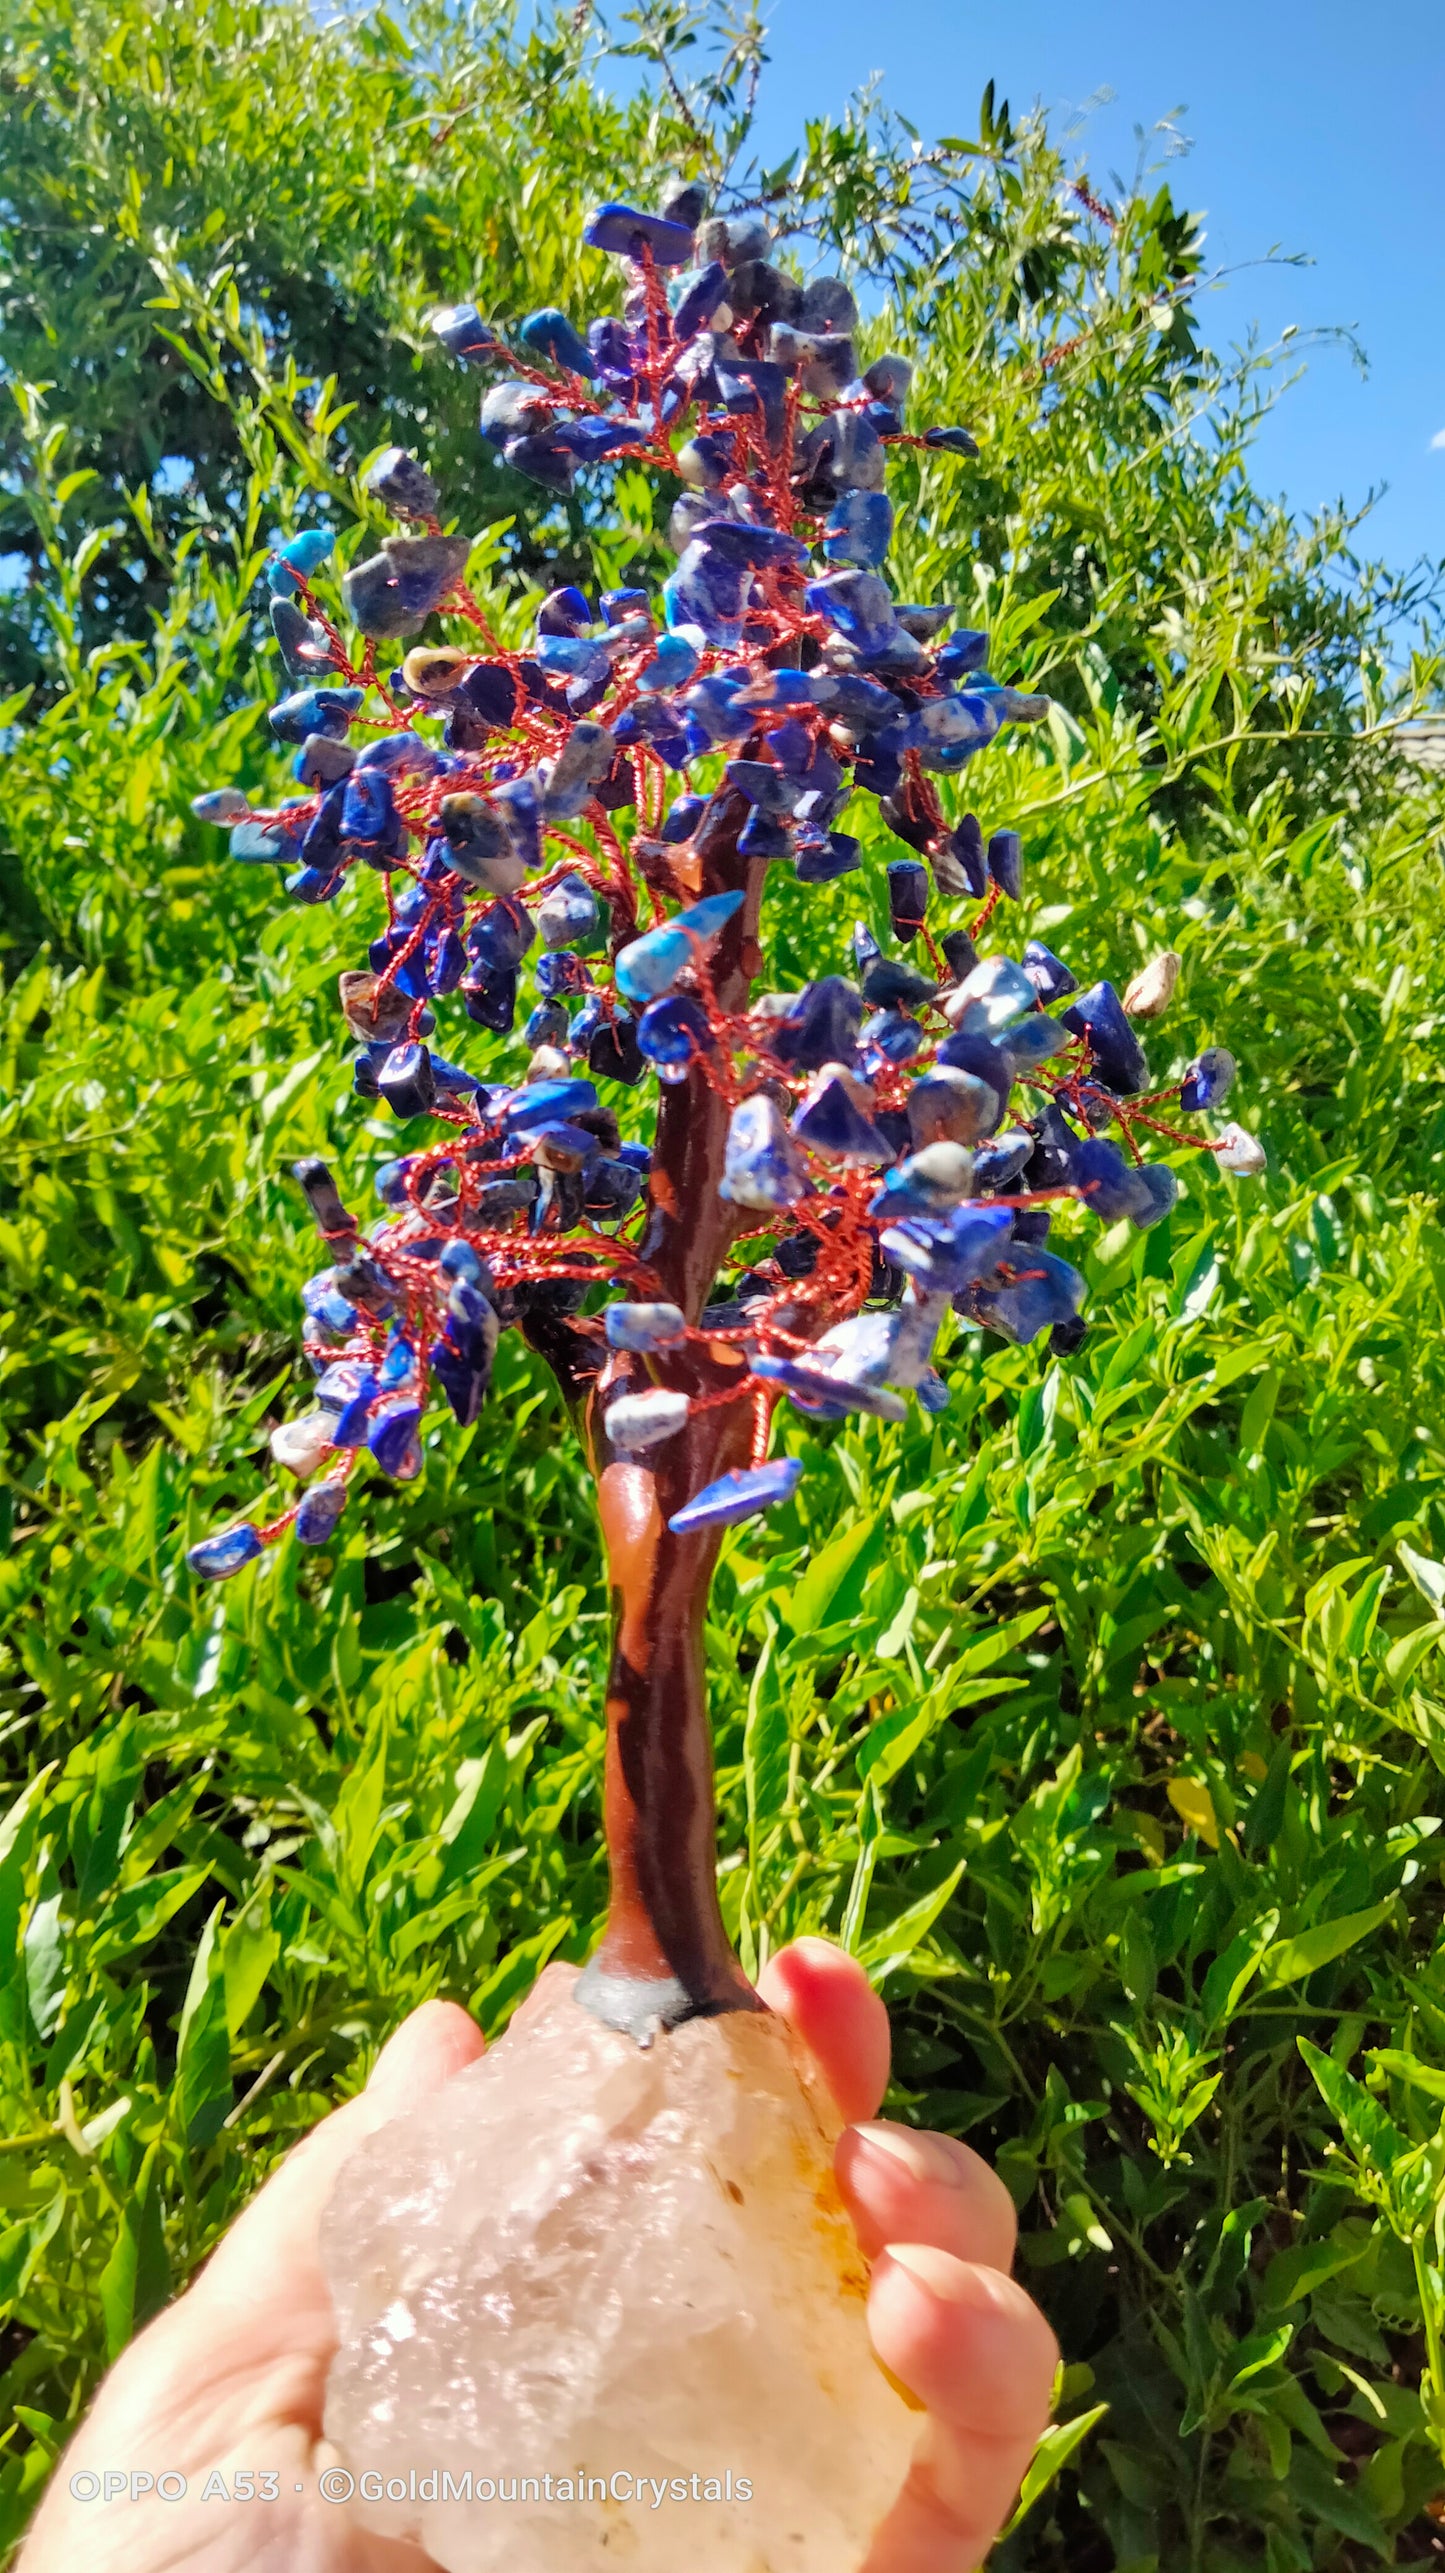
[(1060, 2442), (765, 1748), (1290, 1960), (1369, 2132), (808, 1607), (203, 2054), (1428, 1577), (889, 1949), (135, 2281)]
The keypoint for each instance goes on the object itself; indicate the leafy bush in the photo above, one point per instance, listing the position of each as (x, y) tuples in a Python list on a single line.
[(1103, 1718)]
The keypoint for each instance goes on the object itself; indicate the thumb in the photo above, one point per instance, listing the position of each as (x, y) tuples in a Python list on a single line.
[(282, 2220)]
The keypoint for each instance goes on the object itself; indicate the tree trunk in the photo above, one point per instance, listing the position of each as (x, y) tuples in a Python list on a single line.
[(665, 1955)]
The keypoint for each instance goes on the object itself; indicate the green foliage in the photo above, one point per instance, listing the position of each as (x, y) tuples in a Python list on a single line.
[(1103, 1718)]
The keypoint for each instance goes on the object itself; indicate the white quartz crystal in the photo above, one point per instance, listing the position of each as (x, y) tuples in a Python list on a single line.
[(619, 2267)]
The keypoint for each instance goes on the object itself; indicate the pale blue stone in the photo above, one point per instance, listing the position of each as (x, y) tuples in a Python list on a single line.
[(650, 965)]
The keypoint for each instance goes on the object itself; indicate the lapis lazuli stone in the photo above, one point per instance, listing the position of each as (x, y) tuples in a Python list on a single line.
[(671, 1031), (947, 1252), (821, 1027), (1050, 978), (643, 1326), (738, 1495), (627, 232), (1006, 864), (318, 1511), (550, 334), (829, 1390), (1047, 1291), (403, 485), (907, 897), (1117, 1055), (833, 1125), (859, 529), (1208, 1080), (217, 1557), (262, 843), (762, 1165), (464, 335)]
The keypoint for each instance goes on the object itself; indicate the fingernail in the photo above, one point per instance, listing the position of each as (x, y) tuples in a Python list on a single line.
[(922, 2156), (956, 2281)]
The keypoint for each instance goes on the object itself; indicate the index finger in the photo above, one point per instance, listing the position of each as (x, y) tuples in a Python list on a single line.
[(827, 2000)]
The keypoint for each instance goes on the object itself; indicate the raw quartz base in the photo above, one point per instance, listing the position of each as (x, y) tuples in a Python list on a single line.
[(587, 2259)]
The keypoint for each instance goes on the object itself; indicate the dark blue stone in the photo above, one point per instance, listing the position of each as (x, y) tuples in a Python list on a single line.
[(892, 1035), (821, 1027), (613, 1053), (217, 1557), (976, 1055), (684, 817), (1048, 1292), (306, 649), (315, 710), (947, 1252), (518, 802), (1117, 1057), (590, 440), (321, 761), (703, 296), (822, 862), (611, 348), (958, 952), (964, 652), (763, 837), (890, 984), (368, 809), (907, 897), (318, 1511), (953, 442), (671, 1031), (562, 975), (878, 773), (548, 333), (626, 232), (565, 612), (402, 485), (500, 936), (549, 1024), (446, 961), (996, 1165), (315, 884), (1006, 864), (464, 335), (1208, 1080), (539, 457), (738, 1495), (1049, 976), (267, 844), (490, 1000), (321, 840), (461, 1362), (1051, 1163), (1110, 1183), (833, 1125), (406, 1080), (611, 1188), (393, 1428)]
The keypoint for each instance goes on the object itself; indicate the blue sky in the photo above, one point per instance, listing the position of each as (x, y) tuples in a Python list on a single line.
[(1315, 127)]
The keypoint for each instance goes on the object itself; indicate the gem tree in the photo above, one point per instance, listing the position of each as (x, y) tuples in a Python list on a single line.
[(828, 1172)]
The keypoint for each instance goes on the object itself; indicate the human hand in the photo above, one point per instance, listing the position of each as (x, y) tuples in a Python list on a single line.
[(231, 2379)]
